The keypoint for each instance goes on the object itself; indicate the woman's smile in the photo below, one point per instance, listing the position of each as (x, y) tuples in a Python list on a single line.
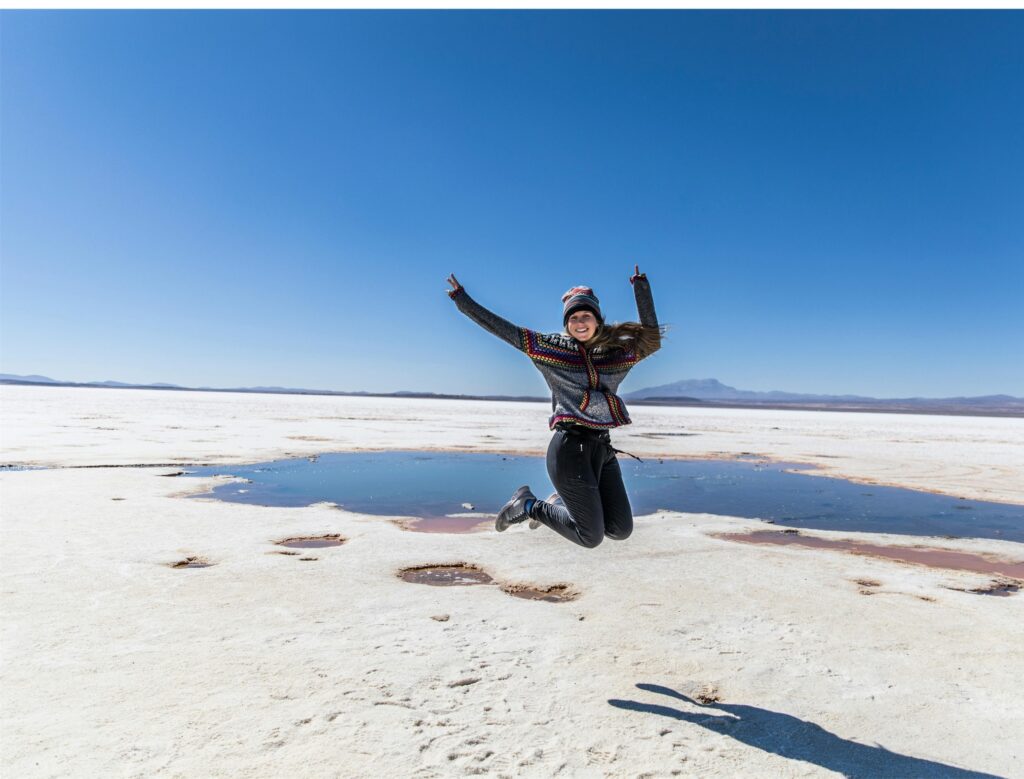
[(582, 325)]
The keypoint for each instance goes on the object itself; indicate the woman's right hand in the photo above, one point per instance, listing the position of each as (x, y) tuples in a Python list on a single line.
[(454, 282)]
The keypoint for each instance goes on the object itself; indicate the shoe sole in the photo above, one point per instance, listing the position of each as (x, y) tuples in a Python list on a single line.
[(502, 522)]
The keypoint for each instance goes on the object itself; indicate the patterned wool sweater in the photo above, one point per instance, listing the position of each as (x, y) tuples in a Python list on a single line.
[(583, 383)]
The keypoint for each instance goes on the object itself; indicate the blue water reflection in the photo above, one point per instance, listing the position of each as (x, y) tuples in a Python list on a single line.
[(428, 484)]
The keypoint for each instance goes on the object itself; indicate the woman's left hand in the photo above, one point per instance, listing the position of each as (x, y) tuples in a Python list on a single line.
[(637, 274), (455, 284)]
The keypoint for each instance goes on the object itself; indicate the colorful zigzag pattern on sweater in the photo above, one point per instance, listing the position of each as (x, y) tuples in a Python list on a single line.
[(543, 348)]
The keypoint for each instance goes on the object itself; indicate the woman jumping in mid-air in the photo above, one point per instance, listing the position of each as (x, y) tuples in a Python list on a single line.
[(583, 367)]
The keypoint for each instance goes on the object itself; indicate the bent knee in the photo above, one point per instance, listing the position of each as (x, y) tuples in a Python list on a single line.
[(589, 542)]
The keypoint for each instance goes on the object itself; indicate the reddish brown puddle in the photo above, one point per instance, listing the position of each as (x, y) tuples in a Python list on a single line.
[(312, 542), (460, 575), (464, 575), (444, 524), (933, 558)]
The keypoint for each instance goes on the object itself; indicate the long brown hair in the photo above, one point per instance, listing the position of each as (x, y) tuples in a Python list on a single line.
[(627, 336)]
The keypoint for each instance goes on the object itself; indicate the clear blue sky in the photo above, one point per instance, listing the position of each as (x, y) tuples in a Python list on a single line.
[(824, 202)]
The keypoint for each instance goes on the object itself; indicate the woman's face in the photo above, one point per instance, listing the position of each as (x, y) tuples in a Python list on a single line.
[(582, 325)]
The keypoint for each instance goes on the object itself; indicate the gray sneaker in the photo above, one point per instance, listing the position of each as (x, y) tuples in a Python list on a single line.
[(514, 511), (554, 498)]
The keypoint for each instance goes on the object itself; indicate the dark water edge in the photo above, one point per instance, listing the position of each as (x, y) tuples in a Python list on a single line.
[(434, 485)]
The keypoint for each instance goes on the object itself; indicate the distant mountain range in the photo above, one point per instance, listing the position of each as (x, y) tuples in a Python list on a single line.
[(713, 392), (9, 378), (713, 389), (709, 393)]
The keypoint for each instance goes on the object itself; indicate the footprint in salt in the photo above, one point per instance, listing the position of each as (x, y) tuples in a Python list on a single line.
[(311, 542), (556, 593), (193, 561), (867, 586)]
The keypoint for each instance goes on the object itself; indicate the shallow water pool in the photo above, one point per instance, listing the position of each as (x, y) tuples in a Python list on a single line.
[(433, 486)]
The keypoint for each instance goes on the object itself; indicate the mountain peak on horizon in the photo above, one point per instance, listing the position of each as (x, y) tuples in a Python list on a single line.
[(714, 390), (33, 378)]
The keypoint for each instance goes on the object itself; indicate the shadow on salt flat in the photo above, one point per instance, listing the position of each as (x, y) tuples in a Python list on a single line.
[(793, 738)]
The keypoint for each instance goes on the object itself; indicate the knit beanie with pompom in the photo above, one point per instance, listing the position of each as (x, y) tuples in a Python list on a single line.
[(578, 299)]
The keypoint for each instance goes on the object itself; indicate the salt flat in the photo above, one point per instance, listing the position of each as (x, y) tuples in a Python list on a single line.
[(115, 664)]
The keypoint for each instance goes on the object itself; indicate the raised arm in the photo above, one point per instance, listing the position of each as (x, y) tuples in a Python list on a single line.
[(644, 299), (489, 321), (645, 308)]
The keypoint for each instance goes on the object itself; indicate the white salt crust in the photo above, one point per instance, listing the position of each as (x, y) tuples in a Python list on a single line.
[(114, 664)]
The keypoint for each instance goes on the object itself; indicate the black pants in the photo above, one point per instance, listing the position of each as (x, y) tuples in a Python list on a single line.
[(584, 470)]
